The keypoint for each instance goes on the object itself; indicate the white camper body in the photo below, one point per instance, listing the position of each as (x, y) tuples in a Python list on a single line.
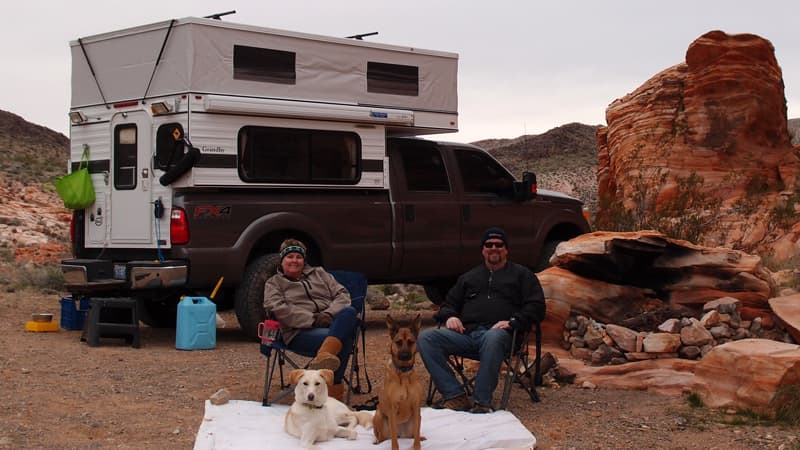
[(231, 90)]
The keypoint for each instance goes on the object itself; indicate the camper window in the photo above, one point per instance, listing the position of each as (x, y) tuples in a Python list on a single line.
[(125, 157), (263, 64), (284, 155), (169, 145), (394, 79)]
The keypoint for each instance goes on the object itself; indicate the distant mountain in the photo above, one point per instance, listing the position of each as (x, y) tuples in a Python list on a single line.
[(564, 159), (794, 131), (30, 152)]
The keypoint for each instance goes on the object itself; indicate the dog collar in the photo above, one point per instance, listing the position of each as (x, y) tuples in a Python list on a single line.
[(402, 369), (312, 406)]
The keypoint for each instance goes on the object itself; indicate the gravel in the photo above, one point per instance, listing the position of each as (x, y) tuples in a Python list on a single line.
[(59, 393)]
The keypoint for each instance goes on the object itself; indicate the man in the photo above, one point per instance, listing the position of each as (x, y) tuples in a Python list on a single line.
[(479, 313)]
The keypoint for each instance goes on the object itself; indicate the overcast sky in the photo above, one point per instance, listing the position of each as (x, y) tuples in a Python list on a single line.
[(525, 66)]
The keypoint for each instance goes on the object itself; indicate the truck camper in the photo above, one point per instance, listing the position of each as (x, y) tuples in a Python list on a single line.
[(211, 142)]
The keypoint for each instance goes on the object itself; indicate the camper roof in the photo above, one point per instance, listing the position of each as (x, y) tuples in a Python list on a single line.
[(214, 57)]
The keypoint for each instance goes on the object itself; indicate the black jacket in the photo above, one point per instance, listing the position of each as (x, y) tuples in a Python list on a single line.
[(481, 297)]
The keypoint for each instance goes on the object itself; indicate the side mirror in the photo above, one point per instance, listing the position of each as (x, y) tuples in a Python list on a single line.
[(527, 188)]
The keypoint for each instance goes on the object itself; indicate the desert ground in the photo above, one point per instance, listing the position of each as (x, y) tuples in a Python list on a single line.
[(57, 392)]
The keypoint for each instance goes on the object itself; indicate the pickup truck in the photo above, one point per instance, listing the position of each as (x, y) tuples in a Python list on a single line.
[(424, 230)]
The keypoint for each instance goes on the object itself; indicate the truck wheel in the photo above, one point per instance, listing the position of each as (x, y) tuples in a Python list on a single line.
[(249, 301), (548, 248)]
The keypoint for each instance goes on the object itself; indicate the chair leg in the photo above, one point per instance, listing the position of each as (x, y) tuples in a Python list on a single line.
[(268, 371)]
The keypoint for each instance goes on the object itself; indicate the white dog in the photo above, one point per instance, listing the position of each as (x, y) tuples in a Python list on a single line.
[(315, 417)]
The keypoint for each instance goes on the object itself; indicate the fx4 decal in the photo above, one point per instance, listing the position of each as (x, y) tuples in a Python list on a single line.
[(212, 212)]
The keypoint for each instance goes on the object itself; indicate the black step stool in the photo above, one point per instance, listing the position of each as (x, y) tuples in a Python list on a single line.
[(112, 318)]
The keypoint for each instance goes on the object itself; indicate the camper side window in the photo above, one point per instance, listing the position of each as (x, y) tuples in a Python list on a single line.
[(287, 155), (125, 157), (397, 79), (263, 64)]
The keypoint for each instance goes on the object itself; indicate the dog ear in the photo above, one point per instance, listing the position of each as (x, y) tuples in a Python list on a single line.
[(392, 325), (295, 375), (328, 375), (417, 324)]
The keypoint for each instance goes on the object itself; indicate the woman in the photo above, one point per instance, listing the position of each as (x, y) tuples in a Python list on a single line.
[(314, 312)]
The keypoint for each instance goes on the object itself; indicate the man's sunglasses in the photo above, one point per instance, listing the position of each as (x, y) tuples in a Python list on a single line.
[(494, 244)]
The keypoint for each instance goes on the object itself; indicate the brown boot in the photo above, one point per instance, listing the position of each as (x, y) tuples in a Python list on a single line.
[(336, 391), (326, 355), (459, 403)]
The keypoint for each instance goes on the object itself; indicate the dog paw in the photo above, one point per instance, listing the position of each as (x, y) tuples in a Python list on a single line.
[(352, 435)]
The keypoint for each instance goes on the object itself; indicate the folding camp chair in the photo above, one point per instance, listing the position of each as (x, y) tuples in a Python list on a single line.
[(517, 368), (277, 353)]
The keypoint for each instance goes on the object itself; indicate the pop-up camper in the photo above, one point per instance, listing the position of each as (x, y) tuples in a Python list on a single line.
[(139, 93)]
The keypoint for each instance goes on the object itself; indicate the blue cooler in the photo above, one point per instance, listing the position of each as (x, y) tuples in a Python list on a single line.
[(196, 328), (73, 316)]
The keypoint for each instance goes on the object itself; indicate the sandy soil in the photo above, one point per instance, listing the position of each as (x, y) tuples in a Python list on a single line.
[(56, 392)]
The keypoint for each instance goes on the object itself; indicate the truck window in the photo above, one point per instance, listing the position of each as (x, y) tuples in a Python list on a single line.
[(169, 145), (263, 64), (424, 169), (482, 174), (125, 157), (394, 79), (286, 155)]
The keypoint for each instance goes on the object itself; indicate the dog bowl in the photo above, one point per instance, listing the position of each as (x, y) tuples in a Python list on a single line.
[(42, 317)]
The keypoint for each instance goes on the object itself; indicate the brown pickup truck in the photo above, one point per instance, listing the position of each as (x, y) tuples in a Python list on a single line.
[(424, 230)]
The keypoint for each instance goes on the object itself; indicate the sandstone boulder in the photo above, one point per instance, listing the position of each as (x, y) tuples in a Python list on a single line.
[(787, 312), (746, 374)]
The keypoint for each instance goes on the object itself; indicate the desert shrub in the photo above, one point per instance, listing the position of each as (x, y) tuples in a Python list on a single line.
[(694, 400), (687, 215), (786, 404), (48, 276), (6, 254)]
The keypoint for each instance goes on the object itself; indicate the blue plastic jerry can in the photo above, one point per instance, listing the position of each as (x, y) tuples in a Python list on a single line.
[(196, 328)]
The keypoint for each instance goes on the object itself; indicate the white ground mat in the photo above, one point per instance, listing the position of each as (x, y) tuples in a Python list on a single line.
[(242, 424)]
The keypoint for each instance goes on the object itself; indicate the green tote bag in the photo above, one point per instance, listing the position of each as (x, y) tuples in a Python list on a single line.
[(75, 188)]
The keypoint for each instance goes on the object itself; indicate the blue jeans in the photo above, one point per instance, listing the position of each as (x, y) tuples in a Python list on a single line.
[(489, 346), (308, 341)]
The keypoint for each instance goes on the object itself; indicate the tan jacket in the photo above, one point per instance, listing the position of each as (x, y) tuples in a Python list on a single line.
[(293, 303)]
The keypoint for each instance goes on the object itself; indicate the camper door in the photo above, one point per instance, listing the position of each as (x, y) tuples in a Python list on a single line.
[(131, 206)]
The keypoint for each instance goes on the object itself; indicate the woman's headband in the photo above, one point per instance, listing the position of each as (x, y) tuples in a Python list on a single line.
[(293, 249)]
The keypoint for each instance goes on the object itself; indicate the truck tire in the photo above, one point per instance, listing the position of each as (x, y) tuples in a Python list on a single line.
[(249, 301), (548, 248)]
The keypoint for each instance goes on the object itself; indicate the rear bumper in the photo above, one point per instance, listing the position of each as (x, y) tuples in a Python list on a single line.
[(133, 275)]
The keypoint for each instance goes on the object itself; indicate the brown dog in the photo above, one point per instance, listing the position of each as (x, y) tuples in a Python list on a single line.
[(400, 398)]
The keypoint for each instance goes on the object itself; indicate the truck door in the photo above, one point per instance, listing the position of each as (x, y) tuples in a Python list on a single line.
[(425, 210), (486, 200), (130, 208)]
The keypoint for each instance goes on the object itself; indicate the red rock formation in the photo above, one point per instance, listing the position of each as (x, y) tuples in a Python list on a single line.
[(614, 276), (721, 116)]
